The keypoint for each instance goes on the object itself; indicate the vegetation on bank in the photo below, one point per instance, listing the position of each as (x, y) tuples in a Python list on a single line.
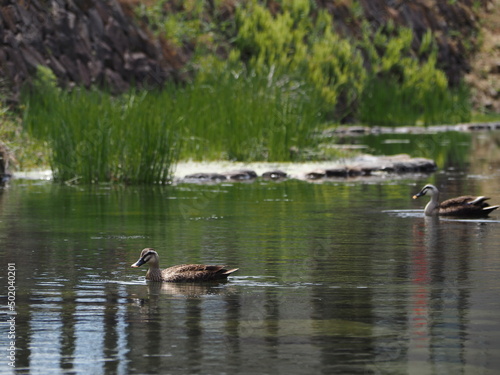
[(375, 79), (283, 76)]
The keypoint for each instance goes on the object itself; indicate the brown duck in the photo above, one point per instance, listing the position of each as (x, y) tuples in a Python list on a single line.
[(180, 273), (464, 206)]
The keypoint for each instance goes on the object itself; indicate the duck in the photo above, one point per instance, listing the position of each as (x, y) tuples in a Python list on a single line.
[(180, 273), (465, 206)]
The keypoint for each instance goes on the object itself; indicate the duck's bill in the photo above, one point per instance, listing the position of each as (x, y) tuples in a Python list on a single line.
[(416, 196), (139, 263)]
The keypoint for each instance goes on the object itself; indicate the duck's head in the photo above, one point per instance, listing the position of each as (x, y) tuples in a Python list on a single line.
[(147, 255), (431, 189)]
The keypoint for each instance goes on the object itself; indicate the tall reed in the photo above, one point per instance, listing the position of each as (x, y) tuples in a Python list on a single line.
[(389, 103), (97, 138), (248, 117), (137, 137)]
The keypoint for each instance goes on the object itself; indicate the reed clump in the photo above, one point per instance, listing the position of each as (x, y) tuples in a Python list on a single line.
[(95, 137), (139, 136)]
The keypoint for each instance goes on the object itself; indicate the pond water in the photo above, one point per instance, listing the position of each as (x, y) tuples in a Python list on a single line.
[(339, 277)]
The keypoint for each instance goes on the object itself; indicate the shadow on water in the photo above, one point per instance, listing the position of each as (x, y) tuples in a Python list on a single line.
[(338, 277)]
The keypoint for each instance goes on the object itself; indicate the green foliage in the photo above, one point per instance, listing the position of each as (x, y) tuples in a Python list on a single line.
[(401, 90), (335, 68), (179, 23), (297, 44), (268, 40), (377, 79), (45, 77)]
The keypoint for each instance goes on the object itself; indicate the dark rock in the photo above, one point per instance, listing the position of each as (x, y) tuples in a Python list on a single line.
[(315, 175), (336, 172), (9, 16), (354, 172), (243, 174), (399, 164), (115, 81), (4, 164), (32, 58), (274, 175), (84, 73), (202, 177)]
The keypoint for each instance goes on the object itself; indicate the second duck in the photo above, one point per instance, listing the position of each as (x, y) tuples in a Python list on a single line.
[(464, 206)]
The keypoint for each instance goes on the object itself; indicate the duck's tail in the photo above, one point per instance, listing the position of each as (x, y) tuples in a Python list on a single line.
[(488, 209)]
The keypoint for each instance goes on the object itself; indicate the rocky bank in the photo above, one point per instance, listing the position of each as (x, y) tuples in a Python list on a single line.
[(83, 42)]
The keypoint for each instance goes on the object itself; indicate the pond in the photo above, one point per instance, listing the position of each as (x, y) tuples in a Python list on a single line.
[(338, 277)]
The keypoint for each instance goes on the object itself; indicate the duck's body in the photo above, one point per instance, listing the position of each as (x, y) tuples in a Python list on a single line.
[(180, 273), (465, 206)]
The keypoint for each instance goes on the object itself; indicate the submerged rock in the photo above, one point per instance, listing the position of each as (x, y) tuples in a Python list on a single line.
[(203, 177), (368, 165), (316, 175), (274, 175), (244, 174)]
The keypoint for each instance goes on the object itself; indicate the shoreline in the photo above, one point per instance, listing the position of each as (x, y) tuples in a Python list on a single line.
[(362, 167)]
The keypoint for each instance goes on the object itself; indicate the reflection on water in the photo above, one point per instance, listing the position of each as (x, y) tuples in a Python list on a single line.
[(334, 278)]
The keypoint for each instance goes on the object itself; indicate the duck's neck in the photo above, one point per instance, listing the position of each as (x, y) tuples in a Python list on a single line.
[(432, 208), (154, 273)]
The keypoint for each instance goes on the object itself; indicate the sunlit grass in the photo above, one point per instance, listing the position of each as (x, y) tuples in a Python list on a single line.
[(249, 118), (485, 117), (97, 138), (139, 136)]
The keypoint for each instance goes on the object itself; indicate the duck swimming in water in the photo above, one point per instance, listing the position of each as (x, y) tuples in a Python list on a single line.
[(465, 206), (180, 273)]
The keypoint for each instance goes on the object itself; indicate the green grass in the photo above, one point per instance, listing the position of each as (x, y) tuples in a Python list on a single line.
[(392, 104), (94, 137), (247, 117), (139, 136), (485, 117)]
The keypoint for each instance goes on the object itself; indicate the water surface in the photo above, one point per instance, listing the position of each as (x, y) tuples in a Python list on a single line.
[(336, 278)]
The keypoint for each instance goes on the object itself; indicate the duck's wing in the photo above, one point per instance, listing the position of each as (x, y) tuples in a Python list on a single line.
[(194, 268), (466, 205), (196, 272), (459, 201)]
